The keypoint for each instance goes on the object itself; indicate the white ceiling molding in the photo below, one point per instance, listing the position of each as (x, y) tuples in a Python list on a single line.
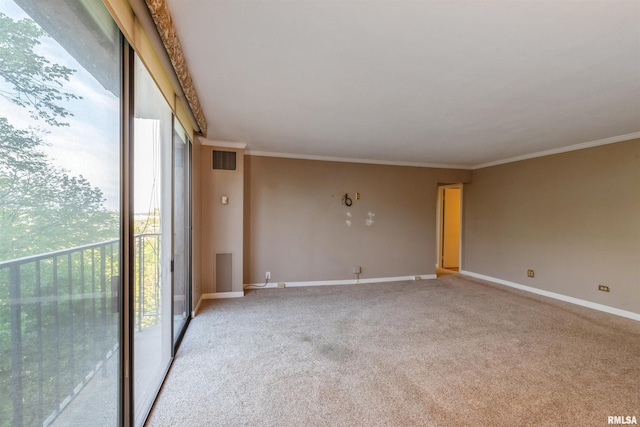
[(582, 146), (350, 160), (223, 144), (575, 147)]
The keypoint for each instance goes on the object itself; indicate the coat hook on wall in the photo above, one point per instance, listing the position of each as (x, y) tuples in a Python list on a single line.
[(346, 200)]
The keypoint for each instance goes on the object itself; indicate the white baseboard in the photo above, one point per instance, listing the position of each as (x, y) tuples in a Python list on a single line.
[(565, 298), (194, 312), (223, 295), (340, 282)]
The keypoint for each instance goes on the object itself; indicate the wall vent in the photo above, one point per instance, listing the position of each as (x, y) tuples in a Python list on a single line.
[(224, 267), (224, 160)]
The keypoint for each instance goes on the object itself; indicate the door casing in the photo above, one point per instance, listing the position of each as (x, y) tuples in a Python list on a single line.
[(440, 224)]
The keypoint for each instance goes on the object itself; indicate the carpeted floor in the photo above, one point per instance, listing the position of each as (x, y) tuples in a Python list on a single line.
[(445, 271), (446, 352)]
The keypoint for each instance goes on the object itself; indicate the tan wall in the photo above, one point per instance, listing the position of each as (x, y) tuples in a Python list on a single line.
[(222, 225), (196, 219), (296, 225), (573, 217)]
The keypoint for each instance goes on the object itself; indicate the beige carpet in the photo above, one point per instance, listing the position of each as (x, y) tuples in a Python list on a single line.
[(446, 352), (445, 271)]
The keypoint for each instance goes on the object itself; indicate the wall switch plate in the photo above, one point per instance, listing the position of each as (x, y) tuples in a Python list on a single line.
[(225, 200), (530, 273), (603, 288)]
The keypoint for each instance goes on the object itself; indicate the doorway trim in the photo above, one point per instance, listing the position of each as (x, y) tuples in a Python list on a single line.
[(440, 223)]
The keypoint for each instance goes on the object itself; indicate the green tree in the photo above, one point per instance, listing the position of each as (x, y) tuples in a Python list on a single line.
[(42, 207), (45, 208), (36, 83)]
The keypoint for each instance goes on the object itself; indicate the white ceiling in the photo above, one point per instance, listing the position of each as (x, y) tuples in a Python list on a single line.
[(417, 82)]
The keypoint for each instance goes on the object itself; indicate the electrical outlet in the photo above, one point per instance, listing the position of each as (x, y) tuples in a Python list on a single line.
[(417, 278), (603, 288), (357, 270), (530, 273), (281, 285), (268, 275)]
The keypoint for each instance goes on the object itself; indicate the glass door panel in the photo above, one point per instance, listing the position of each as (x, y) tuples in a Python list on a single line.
[(152, 341), (60, 237), (180, 230)]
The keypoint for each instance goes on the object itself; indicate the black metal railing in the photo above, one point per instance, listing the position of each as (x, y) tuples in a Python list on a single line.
[(59, 322)]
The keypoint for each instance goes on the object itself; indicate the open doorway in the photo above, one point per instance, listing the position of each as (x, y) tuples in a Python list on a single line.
[(449, 229)]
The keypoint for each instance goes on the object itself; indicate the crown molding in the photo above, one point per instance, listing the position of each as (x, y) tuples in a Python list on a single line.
[(560, 150), (351, 160), (223, 144), (575, 147)]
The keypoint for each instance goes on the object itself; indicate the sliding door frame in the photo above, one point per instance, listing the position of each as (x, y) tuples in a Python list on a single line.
[(126, 407), (128, 264), (188, 226)]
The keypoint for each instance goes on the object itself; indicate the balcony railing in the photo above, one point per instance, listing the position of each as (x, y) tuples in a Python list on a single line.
[(60, 324)]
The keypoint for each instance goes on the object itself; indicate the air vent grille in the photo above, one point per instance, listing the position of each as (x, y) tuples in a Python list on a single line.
[(224, 160)]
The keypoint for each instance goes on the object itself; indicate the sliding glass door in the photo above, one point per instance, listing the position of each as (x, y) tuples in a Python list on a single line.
[(69, 279), (60, 214), (181, 226), (152, 205)]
